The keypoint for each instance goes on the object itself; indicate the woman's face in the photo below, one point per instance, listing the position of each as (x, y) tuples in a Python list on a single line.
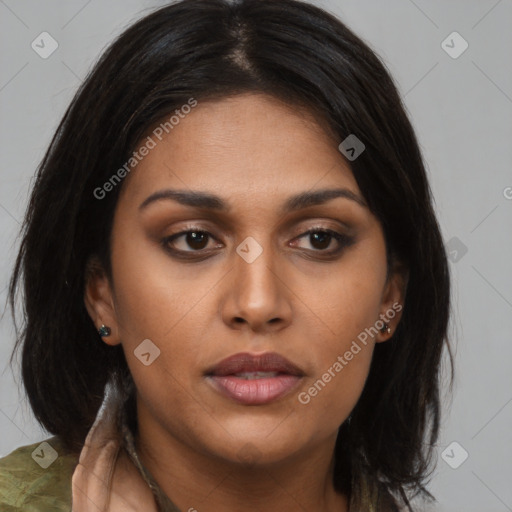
[(246, 279)]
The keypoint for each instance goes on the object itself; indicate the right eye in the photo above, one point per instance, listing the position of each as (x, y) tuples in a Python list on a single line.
[(193, 238)]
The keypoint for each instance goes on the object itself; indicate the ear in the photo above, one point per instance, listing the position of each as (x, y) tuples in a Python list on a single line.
[(393, 297), (98, 300)]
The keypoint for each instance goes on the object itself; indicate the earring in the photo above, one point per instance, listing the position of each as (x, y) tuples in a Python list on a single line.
[(104, 331), (385, 329)]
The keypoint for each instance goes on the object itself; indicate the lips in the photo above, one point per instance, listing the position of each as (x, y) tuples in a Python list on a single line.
[(245, 362), (254, 379)]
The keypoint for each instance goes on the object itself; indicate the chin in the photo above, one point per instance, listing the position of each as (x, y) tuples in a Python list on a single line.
[(270, 444)]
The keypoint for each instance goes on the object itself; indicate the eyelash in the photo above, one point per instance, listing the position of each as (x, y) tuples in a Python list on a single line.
[(344, 241)]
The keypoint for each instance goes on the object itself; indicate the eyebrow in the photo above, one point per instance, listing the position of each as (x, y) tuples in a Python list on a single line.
[(208, 201)]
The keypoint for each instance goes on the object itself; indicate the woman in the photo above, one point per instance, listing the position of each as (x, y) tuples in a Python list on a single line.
[(236, 292)]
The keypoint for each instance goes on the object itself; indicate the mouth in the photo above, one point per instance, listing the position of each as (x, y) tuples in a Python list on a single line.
[(254, 379)]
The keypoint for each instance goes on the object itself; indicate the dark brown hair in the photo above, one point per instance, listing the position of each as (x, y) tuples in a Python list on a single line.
[(212, 49)]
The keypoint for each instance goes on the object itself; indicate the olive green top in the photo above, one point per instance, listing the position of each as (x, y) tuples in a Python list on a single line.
[(25, 484), (38, 477)]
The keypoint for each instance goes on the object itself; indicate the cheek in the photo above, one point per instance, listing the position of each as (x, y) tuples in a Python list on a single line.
[(342, 352), (347, 299), (342, 358), (154, 298), (329, 400), (348, 305), (163, 303)]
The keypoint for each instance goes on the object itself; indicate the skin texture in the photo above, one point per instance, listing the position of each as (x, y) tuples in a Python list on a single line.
[(206, 451)]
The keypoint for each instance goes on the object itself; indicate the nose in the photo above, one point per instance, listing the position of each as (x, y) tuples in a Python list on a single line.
[(257, 294)]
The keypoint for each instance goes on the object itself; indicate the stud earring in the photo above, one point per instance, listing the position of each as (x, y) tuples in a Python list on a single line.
[(385, 329), (104, 331)]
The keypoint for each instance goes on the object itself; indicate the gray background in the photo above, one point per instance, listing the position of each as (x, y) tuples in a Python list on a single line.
[(461, 109)]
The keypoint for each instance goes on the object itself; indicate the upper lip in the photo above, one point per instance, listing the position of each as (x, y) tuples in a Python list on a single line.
[(246, 362)]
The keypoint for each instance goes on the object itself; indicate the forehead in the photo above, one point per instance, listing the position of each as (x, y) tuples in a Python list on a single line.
[(249, 147)]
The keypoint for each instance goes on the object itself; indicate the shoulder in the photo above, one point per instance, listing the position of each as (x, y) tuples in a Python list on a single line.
[(37, 478)]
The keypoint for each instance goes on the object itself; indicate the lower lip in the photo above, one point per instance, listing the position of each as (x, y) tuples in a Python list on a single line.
[(254, 391)]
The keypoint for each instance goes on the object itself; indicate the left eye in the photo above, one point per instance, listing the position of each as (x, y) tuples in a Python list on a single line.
[(321, 239)]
